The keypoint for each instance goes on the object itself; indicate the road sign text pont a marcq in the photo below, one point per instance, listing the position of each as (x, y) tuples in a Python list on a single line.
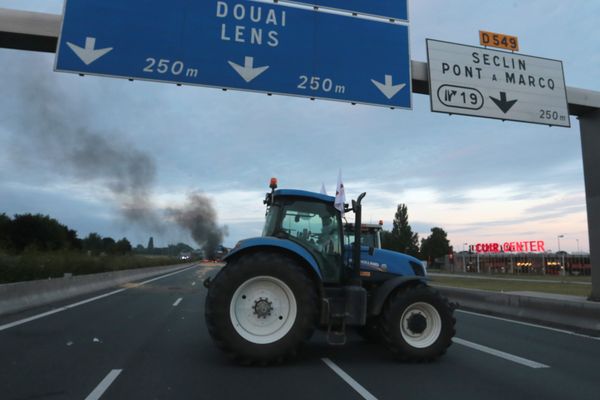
[(255, 14), (515, 74)]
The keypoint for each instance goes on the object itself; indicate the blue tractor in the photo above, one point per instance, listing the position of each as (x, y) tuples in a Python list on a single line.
[(275, 290)]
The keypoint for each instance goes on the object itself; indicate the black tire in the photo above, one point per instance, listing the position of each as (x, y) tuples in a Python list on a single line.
[(417, 324), (220, 313)]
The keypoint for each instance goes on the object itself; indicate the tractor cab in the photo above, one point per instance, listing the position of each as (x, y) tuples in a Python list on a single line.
[(370, 234), (311, 221)]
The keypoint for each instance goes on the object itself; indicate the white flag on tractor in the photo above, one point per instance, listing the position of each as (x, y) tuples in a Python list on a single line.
[(323, 190), (340, 195)]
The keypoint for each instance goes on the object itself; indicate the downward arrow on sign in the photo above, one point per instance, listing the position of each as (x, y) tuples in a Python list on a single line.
[(88, 54), (248, 72), (503, 104), (387, 88)]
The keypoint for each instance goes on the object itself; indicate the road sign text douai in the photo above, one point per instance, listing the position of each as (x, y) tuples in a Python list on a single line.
[(241, 45)]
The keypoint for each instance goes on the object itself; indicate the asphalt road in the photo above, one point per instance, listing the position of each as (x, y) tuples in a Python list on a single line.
[(149, 342)]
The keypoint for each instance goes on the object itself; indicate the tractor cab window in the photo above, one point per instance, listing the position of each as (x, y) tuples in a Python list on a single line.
[(316, 227), (368, 237)]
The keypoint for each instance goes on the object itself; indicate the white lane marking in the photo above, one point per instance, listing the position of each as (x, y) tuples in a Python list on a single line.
[(548, 328), (349, 380), (67, 307), (177, 302), (501, 354), (57, 310), (102, 386), (167, 275)]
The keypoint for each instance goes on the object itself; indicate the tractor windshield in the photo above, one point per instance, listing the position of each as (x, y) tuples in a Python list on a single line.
[(312, 224), (370, 237)]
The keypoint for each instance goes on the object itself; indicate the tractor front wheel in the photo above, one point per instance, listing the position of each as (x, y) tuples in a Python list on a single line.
[(417, 324), (261, 307)]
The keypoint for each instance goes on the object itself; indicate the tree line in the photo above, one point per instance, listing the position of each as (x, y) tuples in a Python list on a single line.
[(402, 239), (170, 250), (36, 232)]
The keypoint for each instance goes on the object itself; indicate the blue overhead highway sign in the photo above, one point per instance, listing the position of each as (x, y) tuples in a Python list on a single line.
[(242, 45), (394, 9)]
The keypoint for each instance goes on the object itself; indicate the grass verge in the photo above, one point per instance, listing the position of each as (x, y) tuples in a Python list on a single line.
[(556, 285)]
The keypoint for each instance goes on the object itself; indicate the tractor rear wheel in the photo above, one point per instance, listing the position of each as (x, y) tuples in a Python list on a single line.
[(261, 307), (417, 324)]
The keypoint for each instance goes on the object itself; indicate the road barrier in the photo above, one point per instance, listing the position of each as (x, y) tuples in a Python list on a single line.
[(578, 315), (20, 296)]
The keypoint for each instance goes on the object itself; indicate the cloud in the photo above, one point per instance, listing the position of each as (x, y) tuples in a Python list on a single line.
[(49, 6), (48, 131)]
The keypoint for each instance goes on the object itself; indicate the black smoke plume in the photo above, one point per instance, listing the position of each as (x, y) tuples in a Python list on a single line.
[(199, 218), (51, 131)]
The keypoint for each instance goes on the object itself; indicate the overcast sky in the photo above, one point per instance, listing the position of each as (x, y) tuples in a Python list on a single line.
[(481, 180)]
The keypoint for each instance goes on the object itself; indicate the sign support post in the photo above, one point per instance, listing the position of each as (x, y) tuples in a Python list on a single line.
[(589, 124)]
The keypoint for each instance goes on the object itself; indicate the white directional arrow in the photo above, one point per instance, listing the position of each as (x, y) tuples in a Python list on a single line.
[(248, 72), (387, 88), (88, 54)]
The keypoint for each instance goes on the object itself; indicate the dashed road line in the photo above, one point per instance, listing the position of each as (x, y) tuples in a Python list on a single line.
[(57, 310), (102, 386), (177, 302), (501, 354), (349, 380), (165, 276)]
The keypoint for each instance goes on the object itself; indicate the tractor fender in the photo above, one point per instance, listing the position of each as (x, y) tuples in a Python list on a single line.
[(262, 243), (381, 294)]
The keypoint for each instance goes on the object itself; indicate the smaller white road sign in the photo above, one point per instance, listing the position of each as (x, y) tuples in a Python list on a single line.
[(481, 82)]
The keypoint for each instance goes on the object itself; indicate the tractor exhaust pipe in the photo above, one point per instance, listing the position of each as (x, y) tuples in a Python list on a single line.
[(357, 207)]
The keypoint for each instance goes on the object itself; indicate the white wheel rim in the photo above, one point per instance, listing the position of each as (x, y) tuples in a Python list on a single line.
[(263, 309), (433, 325)]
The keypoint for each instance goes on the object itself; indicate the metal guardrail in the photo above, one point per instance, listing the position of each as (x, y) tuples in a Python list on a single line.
[(576, 315), (16, 297)]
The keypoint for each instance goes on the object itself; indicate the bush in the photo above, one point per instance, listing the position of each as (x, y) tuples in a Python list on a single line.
[(32, 264)]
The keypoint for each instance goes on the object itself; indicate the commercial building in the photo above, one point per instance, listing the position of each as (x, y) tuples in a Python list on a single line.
[(559, 263)]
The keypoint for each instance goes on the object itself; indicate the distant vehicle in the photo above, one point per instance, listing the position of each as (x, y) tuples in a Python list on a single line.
[(370, 234), (370, 238), (185, 256), (220, 252), (198, 254)]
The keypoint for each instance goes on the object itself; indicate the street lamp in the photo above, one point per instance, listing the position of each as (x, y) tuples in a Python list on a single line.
[(577, 240), (463, 254), (558, 239)]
